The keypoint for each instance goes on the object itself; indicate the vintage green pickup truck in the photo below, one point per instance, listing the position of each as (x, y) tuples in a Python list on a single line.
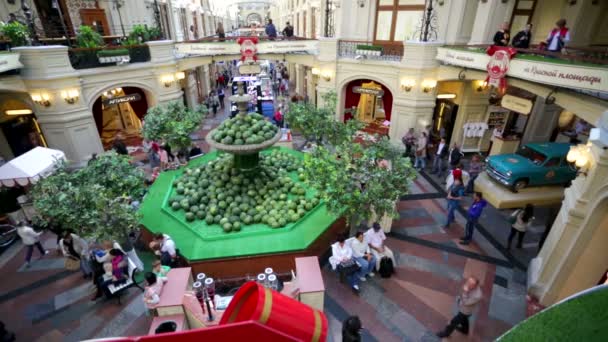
[(533, 165)]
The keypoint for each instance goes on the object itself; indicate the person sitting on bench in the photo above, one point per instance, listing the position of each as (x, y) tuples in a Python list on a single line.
[(119, 273), (375, 238)]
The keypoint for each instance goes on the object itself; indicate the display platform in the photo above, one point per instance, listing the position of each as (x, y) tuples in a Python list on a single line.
[(502, 198), (209, 249)]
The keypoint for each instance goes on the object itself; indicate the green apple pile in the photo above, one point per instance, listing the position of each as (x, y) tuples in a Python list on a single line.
[(218, 193), (245, 130)]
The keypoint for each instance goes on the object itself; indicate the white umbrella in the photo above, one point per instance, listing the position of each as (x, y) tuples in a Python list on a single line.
[(28, 168)]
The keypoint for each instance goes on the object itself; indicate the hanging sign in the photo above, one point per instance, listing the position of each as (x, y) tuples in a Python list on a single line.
[(121, 99), (248, 48), (516, 104), (249, 69), (368, 91), (498, 66)]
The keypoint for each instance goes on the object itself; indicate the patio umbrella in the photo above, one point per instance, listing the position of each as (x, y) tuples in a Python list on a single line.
[(28, 168)]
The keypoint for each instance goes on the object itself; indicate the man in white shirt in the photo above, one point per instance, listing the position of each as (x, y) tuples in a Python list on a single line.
[(166, 249), (30, 238), (363, 256), (341, 260), (375, 238), (558, 37), (438, 161)]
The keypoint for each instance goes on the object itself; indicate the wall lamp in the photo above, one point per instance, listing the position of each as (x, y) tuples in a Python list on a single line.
[(428, 85), (167, 80), (580, 156), (180, 75), (315, 71), (407, 85), (481, 86), (43, 99), (326, 75), (70, 96)]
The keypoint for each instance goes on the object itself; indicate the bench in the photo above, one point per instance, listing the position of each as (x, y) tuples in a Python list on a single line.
[(118, 289)]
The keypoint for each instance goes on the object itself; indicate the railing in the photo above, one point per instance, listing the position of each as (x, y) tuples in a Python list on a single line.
[(83, 58), (349, 49), (216, 39), (574, 55)]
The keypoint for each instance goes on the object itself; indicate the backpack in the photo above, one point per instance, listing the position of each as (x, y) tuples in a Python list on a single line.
[(386, 267)]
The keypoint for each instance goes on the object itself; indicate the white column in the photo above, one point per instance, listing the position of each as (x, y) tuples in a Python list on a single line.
[(490, 15)]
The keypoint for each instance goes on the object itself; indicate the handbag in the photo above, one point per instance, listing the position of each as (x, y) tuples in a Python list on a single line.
[(71, 264), (513, 217), (349, 267)]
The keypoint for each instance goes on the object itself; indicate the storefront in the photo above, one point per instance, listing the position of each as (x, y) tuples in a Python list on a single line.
[(119, 112), (19, 129), (369, 102)]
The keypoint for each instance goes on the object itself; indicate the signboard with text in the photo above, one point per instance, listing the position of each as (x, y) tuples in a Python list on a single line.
[(121, 99), (368, 91), (516, 104), (563, 75), (249, 69), (232, 48)]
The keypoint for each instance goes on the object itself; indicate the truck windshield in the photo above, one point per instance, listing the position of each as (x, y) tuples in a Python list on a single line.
[(534, 156)]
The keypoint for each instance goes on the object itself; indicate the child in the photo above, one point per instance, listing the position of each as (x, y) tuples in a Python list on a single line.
[(152, 291), (160, 270)]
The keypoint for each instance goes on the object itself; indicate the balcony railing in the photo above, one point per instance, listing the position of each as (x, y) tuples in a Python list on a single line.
[(570, 55), (360, 49), (83, 58)]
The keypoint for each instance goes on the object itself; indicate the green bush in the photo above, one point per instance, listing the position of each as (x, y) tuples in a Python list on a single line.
[(88, 38), (16, 32), (113, 53), (143, 33)]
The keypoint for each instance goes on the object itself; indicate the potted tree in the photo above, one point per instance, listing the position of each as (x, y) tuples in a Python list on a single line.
[(16, 32)]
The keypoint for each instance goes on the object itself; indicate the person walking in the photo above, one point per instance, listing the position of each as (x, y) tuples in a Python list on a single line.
[(270, 30), (455, 193), (455, 156), (363, 256), (475, 168), (74, 247), (421, 143), (440, 155), (409, 141), (472, 216), (213, 102), (30, 238), (521, 220), (468, 301), (558, 37), (288, 30), (220, 96)]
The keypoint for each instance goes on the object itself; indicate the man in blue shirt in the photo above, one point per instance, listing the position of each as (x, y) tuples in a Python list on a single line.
[(455, 193), (472, 216), (271, 31)]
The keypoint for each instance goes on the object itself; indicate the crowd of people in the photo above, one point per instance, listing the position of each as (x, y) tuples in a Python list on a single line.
[(555, 42)]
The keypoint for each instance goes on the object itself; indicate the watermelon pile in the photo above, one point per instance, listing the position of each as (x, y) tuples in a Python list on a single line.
[(245, 130), (218, 193)]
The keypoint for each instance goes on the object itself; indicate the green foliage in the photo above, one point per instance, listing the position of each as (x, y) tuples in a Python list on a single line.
[(16, 32), (339, 174), (92, 201), (143, 33), (88, 38), (113, 52), (319, 124), (369, 47), (129, 42), (172, 123)]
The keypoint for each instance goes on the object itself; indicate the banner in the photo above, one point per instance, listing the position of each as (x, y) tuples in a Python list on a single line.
[(369, 91), (9, 61), (121, 99), (232, 48)]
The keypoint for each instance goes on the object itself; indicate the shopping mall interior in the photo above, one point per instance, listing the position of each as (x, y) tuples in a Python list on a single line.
[(304, 170)]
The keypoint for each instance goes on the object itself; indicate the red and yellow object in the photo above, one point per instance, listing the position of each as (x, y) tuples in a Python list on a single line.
[(255, 302)]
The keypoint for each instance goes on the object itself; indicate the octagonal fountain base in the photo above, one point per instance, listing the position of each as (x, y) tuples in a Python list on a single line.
[(225, 255)]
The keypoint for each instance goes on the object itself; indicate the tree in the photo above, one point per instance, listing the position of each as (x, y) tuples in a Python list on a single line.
[(318, 124), (358, 179), (173, 123), (92, 201)]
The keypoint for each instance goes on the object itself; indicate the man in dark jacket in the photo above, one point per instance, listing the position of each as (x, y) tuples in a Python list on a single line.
[(455, 156), (271, 31), (472, 216), (502, 36), (288, 30), (523, 38)]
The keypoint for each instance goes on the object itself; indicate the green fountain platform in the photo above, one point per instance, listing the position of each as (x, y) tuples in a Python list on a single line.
[(198, 241)]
